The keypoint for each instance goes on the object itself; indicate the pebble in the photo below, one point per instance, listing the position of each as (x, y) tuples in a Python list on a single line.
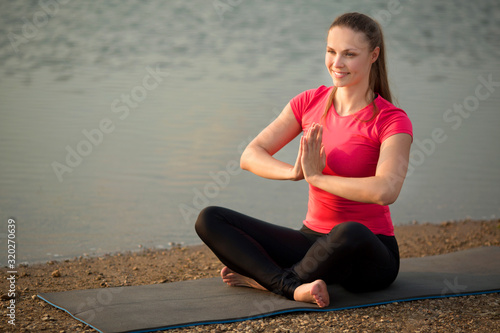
[(460, 314), (46, 317)]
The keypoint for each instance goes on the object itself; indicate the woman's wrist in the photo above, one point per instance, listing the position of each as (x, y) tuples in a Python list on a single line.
[(314, 180), (294, 175)]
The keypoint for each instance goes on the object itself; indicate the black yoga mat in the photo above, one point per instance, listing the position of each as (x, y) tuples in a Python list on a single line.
[(209, 301)]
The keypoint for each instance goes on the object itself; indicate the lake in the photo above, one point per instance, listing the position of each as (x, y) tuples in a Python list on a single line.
[(120, 120)]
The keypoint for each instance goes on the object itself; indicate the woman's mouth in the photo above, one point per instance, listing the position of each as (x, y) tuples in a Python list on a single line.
[(340, 75)]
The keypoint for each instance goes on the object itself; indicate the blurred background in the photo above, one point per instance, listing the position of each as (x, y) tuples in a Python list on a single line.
[(120, 120)]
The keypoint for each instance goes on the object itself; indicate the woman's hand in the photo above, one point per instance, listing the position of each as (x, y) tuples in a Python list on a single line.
[(313, 157)]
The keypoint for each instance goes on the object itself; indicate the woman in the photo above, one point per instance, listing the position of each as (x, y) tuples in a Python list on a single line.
[(354, 155)]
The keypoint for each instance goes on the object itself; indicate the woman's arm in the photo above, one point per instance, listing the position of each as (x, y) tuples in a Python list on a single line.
[(258, 155), (382, 189)]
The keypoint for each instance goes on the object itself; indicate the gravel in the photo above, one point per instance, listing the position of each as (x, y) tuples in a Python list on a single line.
[(479, 313)]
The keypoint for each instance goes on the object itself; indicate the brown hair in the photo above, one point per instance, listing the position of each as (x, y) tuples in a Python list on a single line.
[(378, 81)]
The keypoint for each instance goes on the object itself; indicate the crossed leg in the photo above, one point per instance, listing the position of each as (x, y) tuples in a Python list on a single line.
[(264, 256), (314, 292)]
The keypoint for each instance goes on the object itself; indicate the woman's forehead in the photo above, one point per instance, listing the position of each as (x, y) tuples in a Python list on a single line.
[(346, 38)]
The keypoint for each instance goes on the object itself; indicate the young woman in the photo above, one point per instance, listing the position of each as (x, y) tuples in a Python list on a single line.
[(354, 154)]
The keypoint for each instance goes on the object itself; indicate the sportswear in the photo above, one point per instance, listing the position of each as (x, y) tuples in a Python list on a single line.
[(352, 146)]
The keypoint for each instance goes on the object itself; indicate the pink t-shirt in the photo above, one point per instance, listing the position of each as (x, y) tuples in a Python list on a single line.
[(352, 147)]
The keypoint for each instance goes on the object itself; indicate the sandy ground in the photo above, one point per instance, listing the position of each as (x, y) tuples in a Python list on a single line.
[(479, 313)]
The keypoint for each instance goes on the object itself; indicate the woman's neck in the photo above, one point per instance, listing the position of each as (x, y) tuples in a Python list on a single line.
[(348, 101)]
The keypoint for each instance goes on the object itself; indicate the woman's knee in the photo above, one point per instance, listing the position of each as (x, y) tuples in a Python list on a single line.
[(351, 230), (206, 219), (350, 235)]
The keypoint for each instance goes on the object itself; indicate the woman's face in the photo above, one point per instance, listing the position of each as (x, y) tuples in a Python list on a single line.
[(348, 57)]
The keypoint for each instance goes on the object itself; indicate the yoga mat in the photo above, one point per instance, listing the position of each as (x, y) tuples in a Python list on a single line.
[(209, 301)]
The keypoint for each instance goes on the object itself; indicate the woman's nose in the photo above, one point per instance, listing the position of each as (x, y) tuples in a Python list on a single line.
[(337, 61)]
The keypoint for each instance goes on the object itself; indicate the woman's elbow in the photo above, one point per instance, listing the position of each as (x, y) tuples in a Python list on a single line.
[(387, 191), (387, 197), (245, 160), (386, 202), (243, 164)]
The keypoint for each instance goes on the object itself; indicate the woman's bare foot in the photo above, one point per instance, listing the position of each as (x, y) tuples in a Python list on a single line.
[(314, 292), (234, 279)]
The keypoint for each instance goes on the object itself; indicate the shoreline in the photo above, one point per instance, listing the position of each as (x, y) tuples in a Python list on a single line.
[(151, 266), (174, 245)]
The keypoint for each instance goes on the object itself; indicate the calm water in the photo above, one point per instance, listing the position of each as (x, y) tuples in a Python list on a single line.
[(119, 120)]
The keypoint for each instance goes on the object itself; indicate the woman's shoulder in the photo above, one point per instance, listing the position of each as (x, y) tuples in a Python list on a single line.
[(308, 96), (387, 109), (311, 93), (307, 100), (391, 119)]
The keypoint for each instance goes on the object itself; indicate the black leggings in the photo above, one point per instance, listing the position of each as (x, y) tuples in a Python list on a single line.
[(281, 259)]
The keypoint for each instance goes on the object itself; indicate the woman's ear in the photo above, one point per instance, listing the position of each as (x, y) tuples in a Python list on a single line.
[(375, 54)]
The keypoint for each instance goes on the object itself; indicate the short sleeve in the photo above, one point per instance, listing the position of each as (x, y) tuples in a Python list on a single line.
[(300, 103), (394, 121)]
